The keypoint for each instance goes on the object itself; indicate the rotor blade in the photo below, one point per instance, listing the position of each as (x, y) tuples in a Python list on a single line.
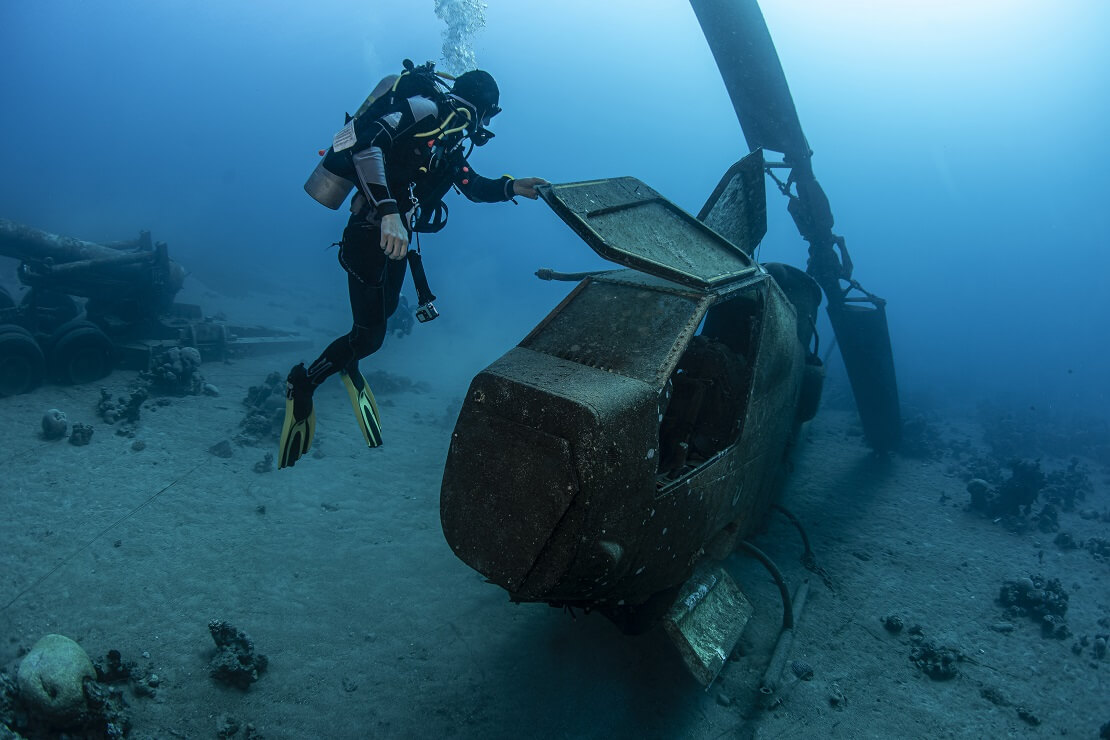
[(750, 67), (864, 339), (753, 76)]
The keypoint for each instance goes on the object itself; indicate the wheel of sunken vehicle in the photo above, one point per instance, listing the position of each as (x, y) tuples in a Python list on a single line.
[(80, 353), (21, 362), (52, 309)]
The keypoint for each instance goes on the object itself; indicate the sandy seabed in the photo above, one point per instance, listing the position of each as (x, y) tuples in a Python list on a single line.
[(338, 570)]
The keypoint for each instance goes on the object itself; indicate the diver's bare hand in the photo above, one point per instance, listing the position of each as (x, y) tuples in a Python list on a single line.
[(526, 186), (395, 240)]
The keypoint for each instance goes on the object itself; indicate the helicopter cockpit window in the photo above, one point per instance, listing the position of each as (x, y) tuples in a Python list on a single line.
[(707, 395)]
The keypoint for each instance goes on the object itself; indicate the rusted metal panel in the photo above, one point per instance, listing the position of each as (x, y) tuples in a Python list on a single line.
[(627, 222), (602, 460), (628, 329), (583, 421), (737, 207), (706, 622)]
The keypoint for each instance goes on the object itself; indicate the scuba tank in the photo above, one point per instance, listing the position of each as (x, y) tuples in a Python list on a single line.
[(325, 185), (334, 177)]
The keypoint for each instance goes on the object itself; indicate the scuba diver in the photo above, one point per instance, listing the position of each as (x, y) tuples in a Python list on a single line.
[(401, 322), (402, 152)]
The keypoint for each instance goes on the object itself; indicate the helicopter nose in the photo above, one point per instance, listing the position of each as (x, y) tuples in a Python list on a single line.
[(506, 490)]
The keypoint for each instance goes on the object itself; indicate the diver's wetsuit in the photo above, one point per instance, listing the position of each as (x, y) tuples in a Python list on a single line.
[(399, 155)]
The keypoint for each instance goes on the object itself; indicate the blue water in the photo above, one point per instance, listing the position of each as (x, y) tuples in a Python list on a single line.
[(965, 154), (964, 151)]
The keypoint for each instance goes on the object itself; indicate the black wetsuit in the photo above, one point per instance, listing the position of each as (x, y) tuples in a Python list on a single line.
[(398, 157)]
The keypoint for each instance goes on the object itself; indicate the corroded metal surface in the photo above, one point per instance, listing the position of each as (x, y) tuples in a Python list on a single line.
[(633, 330), (627, 222), (737, 207), (145, 278), (597, 463), (750, 68), (129, 315), (706, 621)]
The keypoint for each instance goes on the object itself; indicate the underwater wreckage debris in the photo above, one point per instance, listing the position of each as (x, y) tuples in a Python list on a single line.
[(128, 318)]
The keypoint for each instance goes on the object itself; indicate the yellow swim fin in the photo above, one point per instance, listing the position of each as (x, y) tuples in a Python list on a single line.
[(300, 419), (366, 407)]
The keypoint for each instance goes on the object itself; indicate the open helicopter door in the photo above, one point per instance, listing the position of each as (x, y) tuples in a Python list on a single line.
[(627, 222), (737, 207)]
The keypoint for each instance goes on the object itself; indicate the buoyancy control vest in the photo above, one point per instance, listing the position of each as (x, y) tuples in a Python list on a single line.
[(334, 177)]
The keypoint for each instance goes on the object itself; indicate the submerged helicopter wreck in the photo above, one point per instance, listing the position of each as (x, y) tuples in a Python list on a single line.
[(94, 307), (639, 434)]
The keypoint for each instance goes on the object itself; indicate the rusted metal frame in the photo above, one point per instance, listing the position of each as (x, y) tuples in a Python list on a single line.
[(674, 354), (554, 312)]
